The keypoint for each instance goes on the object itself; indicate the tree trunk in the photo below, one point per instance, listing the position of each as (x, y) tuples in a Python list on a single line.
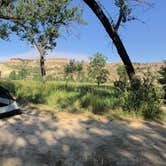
[(113, 35), (42, 67), (42, 59)]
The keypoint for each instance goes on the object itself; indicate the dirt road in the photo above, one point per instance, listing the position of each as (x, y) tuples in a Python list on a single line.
[(38, 139)]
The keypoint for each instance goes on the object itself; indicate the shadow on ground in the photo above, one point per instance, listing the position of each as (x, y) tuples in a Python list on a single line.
[(38, 139)]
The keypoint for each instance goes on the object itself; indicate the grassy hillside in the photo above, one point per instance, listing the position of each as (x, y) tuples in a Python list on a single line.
[(55, 67)]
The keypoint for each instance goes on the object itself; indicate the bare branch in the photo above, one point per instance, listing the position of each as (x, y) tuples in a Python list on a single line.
[(149, 4), (116, 27)]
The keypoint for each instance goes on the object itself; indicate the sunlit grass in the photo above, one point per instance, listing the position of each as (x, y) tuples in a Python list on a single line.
[(74, 98)]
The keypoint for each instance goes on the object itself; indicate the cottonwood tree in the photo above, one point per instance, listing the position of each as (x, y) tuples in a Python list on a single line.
[(112, 26), (97, 70), (4, 27), (39, 22), (72, 69)]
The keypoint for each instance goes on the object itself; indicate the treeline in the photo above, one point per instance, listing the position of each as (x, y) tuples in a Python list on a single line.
[(141, 97), (144, 98), (96, 71)]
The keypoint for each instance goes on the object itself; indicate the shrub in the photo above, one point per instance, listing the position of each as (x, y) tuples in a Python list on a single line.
[(142, 97), (85, 100), (152, 104), (99, 105)]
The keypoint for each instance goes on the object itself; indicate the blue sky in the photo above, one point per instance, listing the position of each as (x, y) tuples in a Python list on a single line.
[(145, 42)]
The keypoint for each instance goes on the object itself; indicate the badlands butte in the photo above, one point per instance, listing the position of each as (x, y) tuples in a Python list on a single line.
[(55, 68)]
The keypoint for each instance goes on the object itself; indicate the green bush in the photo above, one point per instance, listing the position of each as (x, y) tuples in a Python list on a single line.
[(153, 101), (99, 105), (85, 100), (142, 97)]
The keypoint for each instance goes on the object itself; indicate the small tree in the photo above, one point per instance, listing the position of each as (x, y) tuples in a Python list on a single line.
[(97, 69), (22, 74), (13, 75), (79, 70), (121, 71), (72, 69), (69, 69), (162, 72)]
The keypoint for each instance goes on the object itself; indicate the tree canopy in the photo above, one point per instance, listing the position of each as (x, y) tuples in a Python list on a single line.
[(73, 68), (38, 22), (97, 69)]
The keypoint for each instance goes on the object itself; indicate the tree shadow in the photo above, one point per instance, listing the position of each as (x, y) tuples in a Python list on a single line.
[(35, 138)]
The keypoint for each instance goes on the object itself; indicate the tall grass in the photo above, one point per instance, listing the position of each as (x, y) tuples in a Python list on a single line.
[(144, 100), (62, 96)]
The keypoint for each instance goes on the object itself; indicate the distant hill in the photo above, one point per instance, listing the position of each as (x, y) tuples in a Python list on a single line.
[(55, 67)]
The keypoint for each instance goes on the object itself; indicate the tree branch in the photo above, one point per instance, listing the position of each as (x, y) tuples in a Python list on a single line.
[(113, 35), (9, 18), (40, 49), (116, 27)]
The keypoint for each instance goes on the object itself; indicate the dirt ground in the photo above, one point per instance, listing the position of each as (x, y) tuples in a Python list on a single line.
[(35, 138)]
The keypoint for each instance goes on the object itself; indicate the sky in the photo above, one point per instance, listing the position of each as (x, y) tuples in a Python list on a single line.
[(144, 39)]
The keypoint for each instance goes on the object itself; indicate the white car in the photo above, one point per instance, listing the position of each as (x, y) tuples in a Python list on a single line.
[(7, 103)]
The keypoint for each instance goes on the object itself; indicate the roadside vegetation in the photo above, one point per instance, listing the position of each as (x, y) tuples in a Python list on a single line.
[(41, 25), (142, 98)]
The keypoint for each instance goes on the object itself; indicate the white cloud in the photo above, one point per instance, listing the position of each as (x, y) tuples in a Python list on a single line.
[(33, 54)]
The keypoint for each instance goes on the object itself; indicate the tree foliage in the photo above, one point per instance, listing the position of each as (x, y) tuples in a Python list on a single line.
[(13, 75), (121, 71), (21, 75), (4, 27), (38, 22), (97, 69), (73, 68), (162, 72)]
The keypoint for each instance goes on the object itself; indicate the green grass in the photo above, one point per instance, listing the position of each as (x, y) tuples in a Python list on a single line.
[(74, 97), (59, 95)]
